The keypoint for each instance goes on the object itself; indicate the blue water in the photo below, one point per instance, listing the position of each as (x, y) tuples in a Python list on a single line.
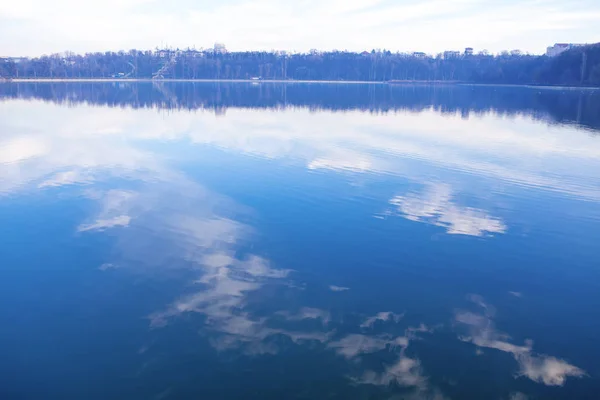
[(298, 241)]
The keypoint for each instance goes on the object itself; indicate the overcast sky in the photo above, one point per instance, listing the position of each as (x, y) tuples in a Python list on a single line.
[(35, 27)]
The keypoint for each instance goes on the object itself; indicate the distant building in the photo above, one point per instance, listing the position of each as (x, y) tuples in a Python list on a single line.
[(553, 51), (16, 60), (468, 51), (192, 53), (220, 48), (419, 54), (451, 54)]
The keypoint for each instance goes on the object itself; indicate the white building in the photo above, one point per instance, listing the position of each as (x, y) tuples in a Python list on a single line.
[(558, 48), (451, 54), (220, 48)]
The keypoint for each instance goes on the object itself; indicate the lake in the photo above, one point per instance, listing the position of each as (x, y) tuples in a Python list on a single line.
[(217, 240)]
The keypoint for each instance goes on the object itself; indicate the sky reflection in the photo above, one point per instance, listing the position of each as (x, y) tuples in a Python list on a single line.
[(301, 279)]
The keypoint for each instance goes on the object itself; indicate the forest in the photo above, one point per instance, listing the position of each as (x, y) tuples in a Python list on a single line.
[(579, 66)]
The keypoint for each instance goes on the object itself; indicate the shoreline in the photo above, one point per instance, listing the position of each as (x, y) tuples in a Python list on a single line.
[(135, 80), (289, 81)]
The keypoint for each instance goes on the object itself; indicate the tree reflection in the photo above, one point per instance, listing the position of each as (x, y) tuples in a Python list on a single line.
[(554, 106)]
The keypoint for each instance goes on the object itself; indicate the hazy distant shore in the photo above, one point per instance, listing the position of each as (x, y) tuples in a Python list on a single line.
[(280, 81)]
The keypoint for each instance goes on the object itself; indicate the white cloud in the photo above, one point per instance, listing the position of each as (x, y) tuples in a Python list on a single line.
[(91, 139), (67, 178), (307, 313), (63, 147), (436, 207), (259, 267), (405, 372), (190, 229), (539, 368), (334, 288), (354, 345), (107, 266), (381, 316), (102, 224), (342, 161), (20, 149), (330, 24), (548, 370), (116, 206), (186, 230)]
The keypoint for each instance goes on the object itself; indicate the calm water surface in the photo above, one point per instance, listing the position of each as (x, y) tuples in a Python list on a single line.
[(300, 241)]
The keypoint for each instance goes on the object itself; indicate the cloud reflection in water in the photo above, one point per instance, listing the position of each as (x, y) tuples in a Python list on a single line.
[(173, 222), (539, 368), (436, 207)]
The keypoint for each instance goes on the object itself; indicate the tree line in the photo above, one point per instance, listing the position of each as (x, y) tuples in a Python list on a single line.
[(577, 66)]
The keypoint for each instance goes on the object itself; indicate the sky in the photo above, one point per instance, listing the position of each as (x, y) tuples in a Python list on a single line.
[(36, 27)]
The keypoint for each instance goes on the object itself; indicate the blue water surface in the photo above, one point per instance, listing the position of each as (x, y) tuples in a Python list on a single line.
[(298, 241)]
